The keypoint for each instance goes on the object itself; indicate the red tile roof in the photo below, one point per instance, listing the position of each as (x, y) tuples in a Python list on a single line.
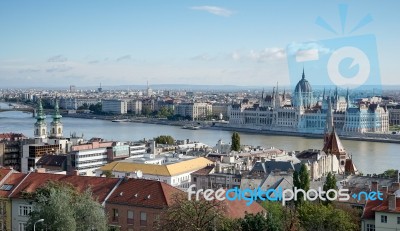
[(384, 207), (14, 179), (379, 206), (11, 136), (4, 172), (368, 212), (143, 193), (100, 186), (238, 208), (333, 144)]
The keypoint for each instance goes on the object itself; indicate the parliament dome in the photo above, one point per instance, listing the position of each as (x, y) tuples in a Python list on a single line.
[(304, 85)]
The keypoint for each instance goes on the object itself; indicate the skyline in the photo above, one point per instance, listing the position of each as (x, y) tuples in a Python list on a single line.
[(57, 44)]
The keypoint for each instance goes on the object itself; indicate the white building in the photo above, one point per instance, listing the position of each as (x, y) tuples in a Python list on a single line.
[(86, 161), (304, 114), (86, 158), (115, 106), (383, 215), (134, 107), (21, 209)]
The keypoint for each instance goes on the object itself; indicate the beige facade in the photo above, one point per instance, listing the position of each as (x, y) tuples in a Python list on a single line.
[(194, 110)]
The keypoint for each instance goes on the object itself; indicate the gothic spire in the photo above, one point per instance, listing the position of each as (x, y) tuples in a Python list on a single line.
[(300, 98), (329, 117), (303, 76), (348, 98), (284, 94)]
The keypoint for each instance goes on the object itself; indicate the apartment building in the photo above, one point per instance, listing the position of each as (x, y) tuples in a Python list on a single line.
[(115, 106)]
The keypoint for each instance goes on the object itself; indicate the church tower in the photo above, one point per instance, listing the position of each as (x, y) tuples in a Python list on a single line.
[(40, 125), (56, 125)]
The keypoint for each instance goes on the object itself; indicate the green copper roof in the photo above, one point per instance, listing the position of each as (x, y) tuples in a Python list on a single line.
[(40, 113), (57, 116)]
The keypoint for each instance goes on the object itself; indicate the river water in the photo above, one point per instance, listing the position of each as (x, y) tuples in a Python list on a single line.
[(369, 157)]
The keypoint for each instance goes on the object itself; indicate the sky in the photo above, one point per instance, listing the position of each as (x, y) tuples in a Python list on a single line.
[(58, 43)]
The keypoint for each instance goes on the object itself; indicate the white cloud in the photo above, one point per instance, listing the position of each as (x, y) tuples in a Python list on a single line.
[(235, 56), (125, 57), (264, 55), (57, 59), (59, 68), (202, 57), (306, 50), (267, 54), (214, 10)]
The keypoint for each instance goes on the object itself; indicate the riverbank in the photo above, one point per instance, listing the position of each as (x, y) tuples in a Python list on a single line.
[(305, 135), (225, 127)]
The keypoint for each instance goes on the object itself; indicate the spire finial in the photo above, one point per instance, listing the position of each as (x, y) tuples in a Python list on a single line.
[(303, 76)]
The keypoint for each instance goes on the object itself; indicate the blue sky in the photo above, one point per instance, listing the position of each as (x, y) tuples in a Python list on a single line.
[(59, 43)]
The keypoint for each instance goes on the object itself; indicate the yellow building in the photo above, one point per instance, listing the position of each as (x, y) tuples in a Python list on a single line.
[(174, 171), (9, 179)]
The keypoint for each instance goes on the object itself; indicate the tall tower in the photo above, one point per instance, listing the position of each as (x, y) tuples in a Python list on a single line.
[(40, 125), (348, 99), (329, 122), (56, 125)]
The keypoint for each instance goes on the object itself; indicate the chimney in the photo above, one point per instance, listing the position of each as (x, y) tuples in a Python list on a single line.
[(40, 170), (73, 173), (392, 202), (374, 186)]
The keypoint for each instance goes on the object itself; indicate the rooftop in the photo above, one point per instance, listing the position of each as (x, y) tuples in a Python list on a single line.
[(172, 169), (144, 193), (100, 186)]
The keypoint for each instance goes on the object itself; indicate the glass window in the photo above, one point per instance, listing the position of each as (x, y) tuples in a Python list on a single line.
[(21, 226), (398, 220), (25, 210), (130, 214), (383, 219), (115, 214), (370, 227), (130, 219), (143, 218)]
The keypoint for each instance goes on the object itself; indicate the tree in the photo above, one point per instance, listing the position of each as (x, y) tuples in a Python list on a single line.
[(252, 222), (96, 108), (146, 111), (315, 217), (163, 139), (280, 218), (107, 173), (392, 173), (165, 112), (330, 183), (83, 107), (301, 180), (194, 215), (63, 208), (235, 142)]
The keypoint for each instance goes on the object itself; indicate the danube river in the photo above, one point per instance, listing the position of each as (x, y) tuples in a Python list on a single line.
[(369, 157)]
